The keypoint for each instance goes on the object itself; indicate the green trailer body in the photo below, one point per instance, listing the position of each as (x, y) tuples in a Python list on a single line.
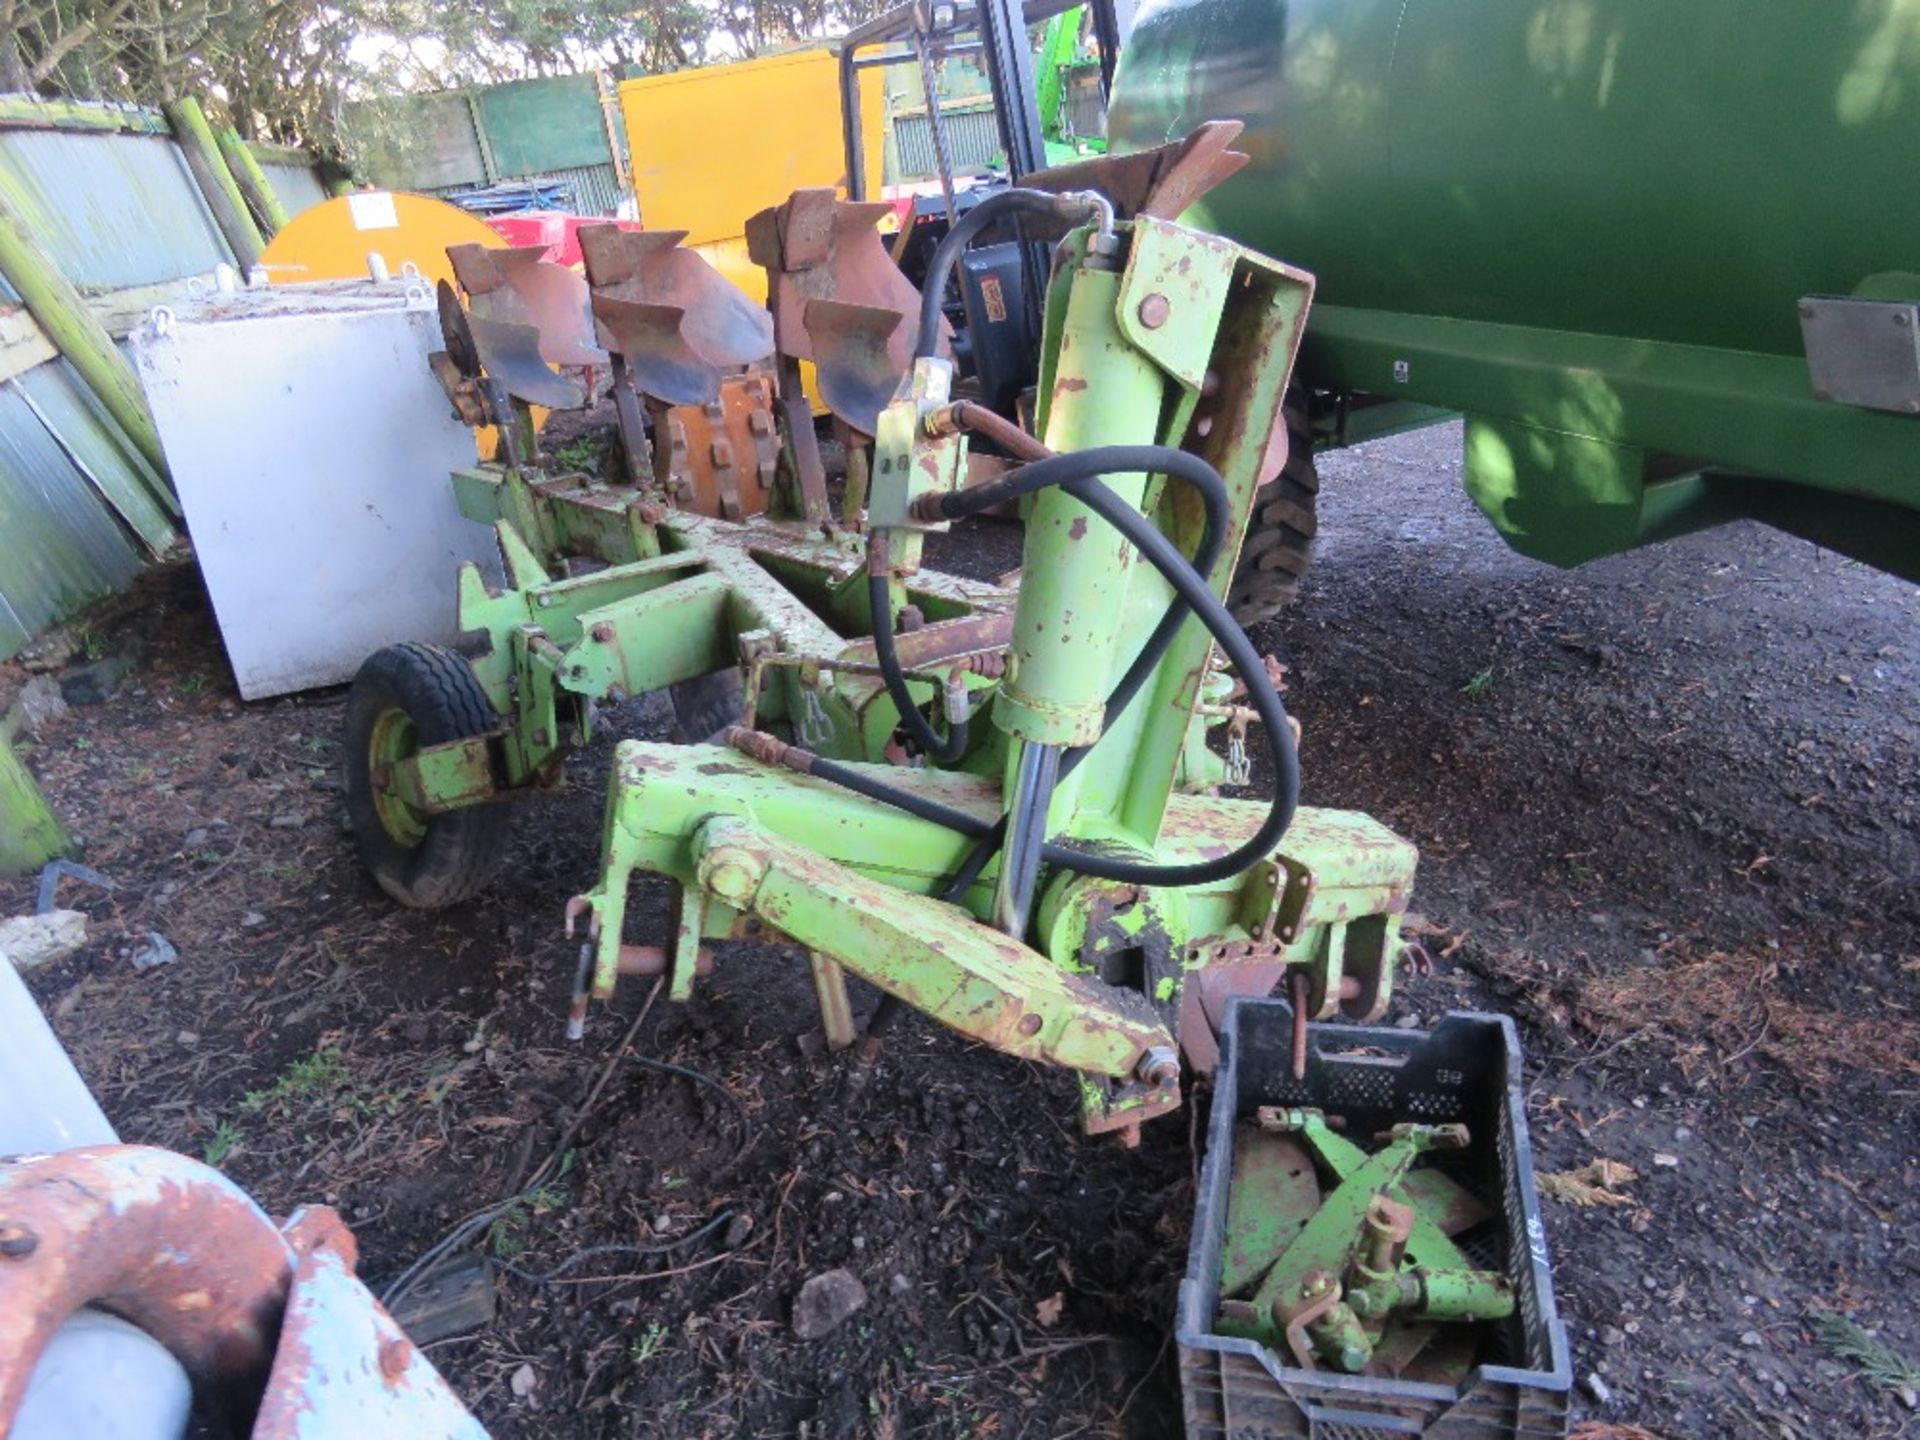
[(1664, 258)]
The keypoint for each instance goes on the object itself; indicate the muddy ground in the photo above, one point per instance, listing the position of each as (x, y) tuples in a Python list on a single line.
[(1669, 813)]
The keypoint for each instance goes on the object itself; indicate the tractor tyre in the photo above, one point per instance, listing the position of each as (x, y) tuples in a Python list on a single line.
[(406, 698), (1280, 532), (707, 705)]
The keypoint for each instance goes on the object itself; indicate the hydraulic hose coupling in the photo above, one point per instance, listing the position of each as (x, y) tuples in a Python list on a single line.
[(953, 697), (1104, 243), (768, 749)]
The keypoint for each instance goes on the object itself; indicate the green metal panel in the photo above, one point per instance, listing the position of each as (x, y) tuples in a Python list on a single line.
[(63, 546), (1588, 222), (112, 210), (298, 186), (416, 142), (536, 126), (1627, 167), (99, 450)]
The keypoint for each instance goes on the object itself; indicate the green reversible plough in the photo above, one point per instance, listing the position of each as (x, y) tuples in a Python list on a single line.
[(995, 804), (1042, 881)]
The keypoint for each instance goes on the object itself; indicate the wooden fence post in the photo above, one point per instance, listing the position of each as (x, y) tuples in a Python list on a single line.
[(216, 182), (252, 181), (59, 310)]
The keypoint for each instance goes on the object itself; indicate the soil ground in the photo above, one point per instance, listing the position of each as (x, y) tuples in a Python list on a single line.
[(1669, 812)]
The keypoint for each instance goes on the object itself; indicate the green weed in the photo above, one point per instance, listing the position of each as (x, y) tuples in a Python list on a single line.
[(1878, 1361), (507, 1236), (1479, 685), (579, 455), (195, 683), (317, 1076), (226, 1139), (649, 1343)]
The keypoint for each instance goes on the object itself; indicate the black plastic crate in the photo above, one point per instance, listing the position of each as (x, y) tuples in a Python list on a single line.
[(1466, 1069)]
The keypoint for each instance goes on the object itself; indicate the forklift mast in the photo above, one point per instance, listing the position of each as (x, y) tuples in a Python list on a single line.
[(996, 33)]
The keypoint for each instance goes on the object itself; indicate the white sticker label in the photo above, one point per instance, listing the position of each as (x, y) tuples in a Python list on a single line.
[(373, 210)]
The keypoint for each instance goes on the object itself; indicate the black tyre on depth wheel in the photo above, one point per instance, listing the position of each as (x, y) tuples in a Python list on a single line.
[(404, 699), (1280, 532), (706, 705)]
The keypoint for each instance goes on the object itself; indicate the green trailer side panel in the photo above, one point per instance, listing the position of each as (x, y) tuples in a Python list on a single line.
[(1625, 167), (1587, 224)]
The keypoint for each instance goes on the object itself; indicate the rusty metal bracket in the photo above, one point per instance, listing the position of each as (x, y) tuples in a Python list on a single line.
[(720, 458), (280, 1339), (1159, 183)]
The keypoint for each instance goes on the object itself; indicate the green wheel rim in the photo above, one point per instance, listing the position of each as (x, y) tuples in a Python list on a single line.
[(392, 740)]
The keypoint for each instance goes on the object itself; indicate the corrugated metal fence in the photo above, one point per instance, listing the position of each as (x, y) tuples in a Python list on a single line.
[(107, 195), (973, 141), (556, 128)]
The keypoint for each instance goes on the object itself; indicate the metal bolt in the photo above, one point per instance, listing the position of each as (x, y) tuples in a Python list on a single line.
[(395, 1355), (1160, 1066), (17, 1242), (1901, 319), (1806, 309), (732, 872), (1154, 310), (1029, 1024), (603, 632)]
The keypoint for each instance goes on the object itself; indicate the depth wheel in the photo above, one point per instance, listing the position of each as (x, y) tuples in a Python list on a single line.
[(1280, 533), (405, 699)]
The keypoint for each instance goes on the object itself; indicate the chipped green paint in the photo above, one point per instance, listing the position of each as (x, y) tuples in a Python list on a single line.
[(1099, 982), (30, 833), (58, 308)]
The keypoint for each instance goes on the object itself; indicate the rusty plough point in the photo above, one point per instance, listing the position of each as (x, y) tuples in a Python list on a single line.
[(720, 323), (648, 338), (816, 246), (519, 286), (679, 327), (852, 347), (511, 353)]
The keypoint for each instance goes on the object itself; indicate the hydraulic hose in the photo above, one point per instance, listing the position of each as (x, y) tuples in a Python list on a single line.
[(1026, 833), (1070, 207), (940, 749), (1076, 473), (1165, 557), (1181, 465)]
